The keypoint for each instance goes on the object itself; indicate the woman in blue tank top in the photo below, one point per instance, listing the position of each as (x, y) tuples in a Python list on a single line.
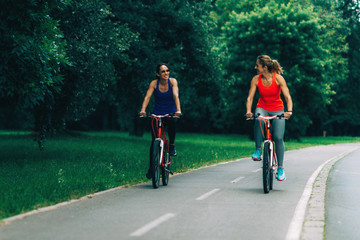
[(166, 92)]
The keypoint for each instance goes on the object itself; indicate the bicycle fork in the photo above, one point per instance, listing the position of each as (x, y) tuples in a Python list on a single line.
[(166, 163), (161, 149), (271, 148), (271, 145)]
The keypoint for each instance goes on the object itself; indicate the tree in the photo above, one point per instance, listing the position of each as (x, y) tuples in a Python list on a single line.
[(345, 111), (32, 54), (179, 33), (57, 58), (94, 43), (297, 38)]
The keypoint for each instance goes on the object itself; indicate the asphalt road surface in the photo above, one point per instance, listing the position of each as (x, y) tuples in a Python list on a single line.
[(225, 201), (342, 199)]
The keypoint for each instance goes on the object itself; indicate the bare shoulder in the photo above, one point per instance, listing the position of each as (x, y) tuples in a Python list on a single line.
[(255, 79), (173, 81), (280, 80), (153, 83)]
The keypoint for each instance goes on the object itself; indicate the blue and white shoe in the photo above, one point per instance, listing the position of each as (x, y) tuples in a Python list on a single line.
[(280, 176), (256, 155)]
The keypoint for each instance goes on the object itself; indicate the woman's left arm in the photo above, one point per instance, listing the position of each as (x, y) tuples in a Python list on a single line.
[(286, 93), (175, 90)]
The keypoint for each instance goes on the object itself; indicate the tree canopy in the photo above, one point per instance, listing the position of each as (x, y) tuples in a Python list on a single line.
[(299, 39), (88, 63)]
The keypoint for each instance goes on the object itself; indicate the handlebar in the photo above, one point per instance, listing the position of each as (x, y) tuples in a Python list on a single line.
[(280, 116), (149, 115)]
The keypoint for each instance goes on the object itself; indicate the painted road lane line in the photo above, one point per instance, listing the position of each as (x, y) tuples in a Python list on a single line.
[(237, 179), (151, 225), (206, 195), (256, 170)]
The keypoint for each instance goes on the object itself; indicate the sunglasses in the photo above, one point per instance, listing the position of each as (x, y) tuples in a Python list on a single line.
[(164, 71)]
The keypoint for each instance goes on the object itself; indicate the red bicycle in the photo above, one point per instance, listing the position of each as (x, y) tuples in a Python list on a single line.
[(269, 156), (161, 160)]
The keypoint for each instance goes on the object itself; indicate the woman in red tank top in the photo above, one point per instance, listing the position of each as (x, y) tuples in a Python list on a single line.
[(270, 84)]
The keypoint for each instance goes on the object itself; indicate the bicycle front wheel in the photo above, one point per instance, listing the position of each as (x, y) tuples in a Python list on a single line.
[(155, 164), (266, 168)]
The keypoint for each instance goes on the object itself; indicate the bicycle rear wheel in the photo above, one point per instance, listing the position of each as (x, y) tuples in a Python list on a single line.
[(266, 168), (166, 168), (155, 164)]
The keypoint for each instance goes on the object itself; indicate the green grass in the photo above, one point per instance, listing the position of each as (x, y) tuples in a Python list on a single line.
[(74, 166)]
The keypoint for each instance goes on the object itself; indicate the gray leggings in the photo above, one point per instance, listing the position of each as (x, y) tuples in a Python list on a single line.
[(278, 130)]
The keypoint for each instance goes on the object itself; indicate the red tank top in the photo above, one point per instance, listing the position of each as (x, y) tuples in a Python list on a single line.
[(270, 96)]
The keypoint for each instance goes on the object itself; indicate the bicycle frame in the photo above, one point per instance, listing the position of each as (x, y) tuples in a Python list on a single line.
[(160, 136), (269, 156), (268, 138), (160, 158)]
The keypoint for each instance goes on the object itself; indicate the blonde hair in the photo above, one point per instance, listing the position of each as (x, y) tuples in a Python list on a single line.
[(272, 65)]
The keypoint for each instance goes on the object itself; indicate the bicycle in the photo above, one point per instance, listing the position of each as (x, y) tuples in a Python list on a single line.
[(269, 156), (161, 160)]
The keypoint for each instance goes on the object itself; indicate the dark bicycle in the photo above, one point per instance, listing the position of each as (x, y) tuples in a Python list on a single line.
[(268, 156), (161, 160)]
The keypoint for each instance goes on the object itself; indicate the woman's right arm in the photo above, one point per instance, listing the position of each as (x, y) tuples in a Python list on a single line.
[(251, 95), (147, 98)]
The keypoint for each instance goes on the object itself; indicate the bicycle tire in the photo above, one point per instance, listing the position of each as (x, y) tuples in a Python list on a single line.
[(271, 178), (155, 166), (266, 167), (166, 168)]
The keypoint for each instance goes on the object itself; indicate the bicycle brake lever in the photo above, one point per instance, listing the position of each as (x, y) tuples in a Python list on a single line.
[(280, 116)]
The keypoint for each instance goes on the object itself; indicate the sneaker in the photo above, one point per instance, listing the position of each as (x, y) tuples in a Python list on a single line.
[(172, 151), (148, 174), (280, 176), (256, 155)]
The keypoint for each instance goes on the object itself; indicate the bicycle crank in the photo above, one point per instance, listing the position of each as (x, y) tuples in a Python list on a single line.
[(167, 170)]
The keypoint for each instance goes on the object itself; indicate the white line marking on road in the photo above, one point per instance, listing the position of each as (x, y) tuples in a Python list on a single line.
[(237, 179), (297, 221), (206, 195), (257, 170), (141, 231)]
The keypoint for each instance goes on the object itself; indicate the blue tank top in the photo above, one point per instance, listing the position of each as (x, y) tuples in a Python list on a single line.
[(164, 102)]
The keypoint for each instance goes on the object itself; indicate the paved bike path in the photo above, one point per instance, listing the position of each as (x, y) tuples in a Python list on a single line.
[(342, 199), (219, 202)]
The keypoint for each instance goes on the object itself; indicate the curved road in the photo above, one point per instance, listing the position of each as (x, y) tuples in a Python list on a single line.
[(224, 201)]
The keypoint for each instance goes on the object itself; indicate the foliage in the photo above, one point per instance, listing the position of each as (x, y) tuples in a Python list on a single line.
[(178, 33), (95, 42), (32, 52), (61, 60), (296, 36), (346, 110), (58, 58)]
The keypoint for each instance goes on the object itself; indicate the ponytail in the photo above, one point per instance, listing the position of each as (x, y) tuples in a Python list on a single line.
[(273, 65), (276, 67)]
